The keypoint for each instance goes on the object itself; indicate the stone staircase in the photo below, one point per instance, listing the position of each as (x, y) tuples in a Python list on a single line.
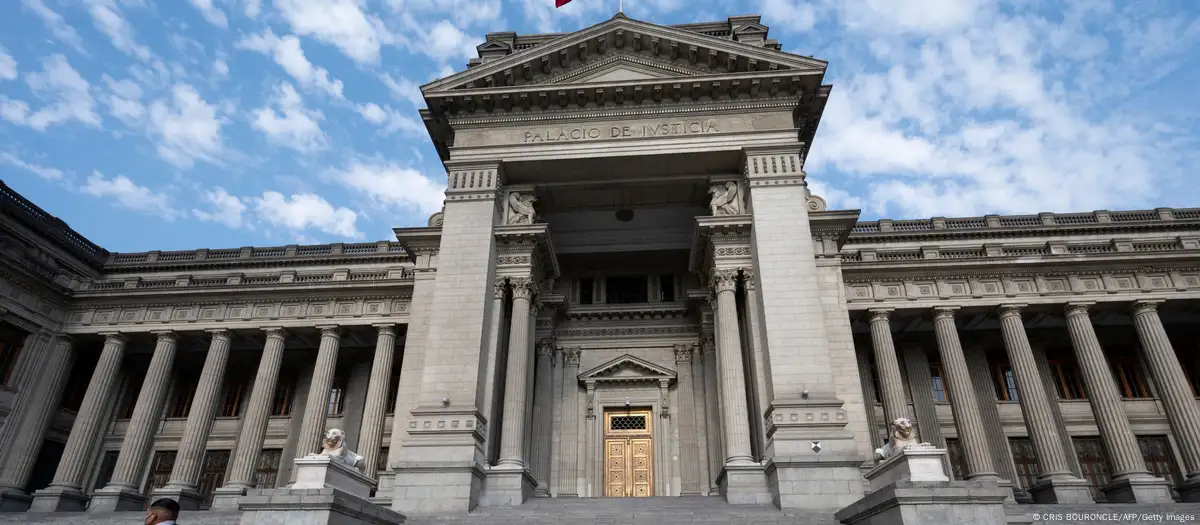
[(633, 511), (115, 518)]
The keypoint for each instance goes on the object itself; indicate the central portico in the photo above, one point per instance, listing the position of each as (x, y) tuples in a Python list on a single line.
[(627, 229)]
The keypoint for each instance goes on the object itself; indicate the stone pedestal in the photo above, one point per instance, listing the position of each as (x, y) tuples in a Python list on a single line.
[(326, 492), (912, 488), (117, 499), (12, 500), (1065, 490), (59, 499), (509, 486), (1140, 489), (188, 497), (744, 485)]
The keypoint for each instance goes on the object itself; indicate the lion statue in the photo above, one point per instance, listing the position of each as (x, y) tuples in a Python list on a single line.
[(903, 436), (334, 446)]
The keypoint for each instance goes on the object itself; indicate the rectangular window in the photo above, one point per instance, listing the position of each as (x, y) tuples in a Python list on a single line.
[(1066, 378), (337, 394), (212, 474), (181, 396), (382, 459), (625, 290), (1157, 452), (1191, 370), (1093, 461), (77, 383), (285, 391), (11, 343), (160, 472), (875, 384), (958, 463), (1129, 378), (939, 386), (234, 394), (586, 288), (107, 465), (1006, 383), (666, 288), (1025, 460), (266, 470), (133, 386)]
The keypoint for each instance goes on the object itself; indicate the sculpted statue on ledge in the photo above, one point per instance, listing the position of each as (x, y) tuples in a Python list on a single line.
[(520, 208), (334, 446), (903, 436), (725, 199)]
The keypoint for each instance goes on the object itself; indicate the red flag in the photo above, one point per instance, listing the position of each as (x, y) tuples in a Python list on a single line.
[(560, 3)]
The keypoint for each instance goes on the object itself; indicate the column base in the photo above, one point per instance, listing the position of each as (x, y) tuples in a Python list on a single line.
[(1064, 490), (59, 499), (189, 498), (323, 506), (816, 485), (117, 498), (509, 486), (744, 484), (1139, 490), (928, 502), (14, 500), (226, 498)]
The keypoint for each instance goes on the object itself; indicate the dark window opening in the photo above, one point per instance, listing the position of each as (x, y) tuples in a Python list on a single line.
[(958, 462), (1156, 450), (1025, 460), (939, 387), (160, 472), (1130, 379), (212, 474), (666, 288), (133, 386), (586, 288), (181, 397), (234, 395), (107, 465), (1006, 383), (624, 290), (1066, 378), (11, 343), (1093, 461), (266, 469), (285, 390), (337, 395), (393, 390)]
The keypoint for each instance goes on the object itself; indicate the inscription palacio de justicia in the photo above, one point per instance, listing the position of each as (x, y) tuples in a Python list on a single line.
[(662, 129)]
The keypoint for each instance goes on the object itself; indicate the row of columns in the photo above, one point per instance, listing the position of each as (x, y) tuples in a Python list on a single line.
[(1056, 483), (65, 493)]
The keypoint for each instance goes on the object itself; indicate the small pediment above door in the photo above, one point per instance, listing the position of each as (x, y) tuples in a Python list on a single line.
[(627, 369)]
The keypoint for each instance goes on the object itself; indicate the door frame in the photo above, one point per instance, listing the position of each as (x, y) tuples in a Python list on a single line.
[(610, 435), (660, 432)]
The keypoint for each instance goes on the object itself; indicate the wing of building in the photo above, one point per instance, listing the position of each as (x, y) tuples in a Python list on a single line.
[(629, 292)]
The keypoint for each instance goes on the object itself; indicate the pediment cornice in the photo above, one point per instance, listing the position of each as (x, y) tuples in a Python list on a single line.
[(627, 369)]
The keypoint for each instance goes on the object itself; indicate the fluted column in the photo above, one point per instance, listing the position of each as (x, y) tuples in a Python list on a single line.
[(542, 415), (258, 414), (188, 461), (962, 398), (1055, 483), (375, 410), (1176, 394), (690, 482), (1124, 456), (887, 365), (316, 406), (122, 493), (733, 377), (761, 359), (512, 436), (32, 415), (568, 476), (716, 448), (495, 369)]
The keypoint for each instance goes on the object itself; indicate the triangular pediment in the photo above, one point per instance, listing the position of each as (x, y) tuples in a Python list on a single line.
[(660, 52), (625, 369)]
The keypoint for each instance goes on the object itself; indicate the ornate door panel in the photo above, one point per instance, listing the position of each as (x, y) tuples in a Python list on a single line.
[(628, 454)]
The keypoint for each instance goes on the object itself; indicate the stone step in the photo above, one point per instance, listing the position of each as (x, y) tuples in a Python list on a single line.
[(638, 511), (115, 518)]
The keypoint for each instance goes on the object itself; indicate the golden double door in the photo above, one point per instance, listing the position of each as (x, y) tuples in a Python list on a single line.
[(628, 454)]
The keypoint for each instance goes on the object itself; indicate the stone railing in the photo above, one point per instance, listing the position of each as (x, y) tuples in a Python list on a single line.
[(238, 279), (1052, 248), (49, 225), (1025, 221), (249, 253)]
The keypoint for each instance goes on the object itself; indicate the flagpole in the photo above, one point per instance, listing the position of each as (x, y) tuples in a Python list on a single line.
[(620, 6)]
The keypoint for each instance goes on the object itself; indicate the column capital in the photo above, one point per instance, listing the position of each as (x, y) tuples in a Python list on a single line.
[(330, 330), (499, 287), (723, 280), (275, 332), (881, 315), (114, 337), (166, 335), (220, 334), (1145, 306), (1010, 310), (683, 353), (1077, 308), (749, 280), (545, 347), (944, 312), (707, 345), (571, 357), (522, 287), (62, 339), (385, 329)]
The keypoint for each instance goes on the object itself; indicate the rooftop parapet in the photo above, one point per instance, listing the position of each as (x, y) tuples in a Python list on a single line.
[(289, 253), (1008, 222)]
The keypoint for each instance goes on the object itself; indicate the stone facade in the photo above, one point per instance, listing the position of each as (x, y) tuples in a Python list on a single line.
[(627, 230)]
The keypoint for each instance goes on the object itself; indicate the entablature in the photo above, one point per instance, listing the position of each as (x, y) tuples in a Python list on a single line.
[(251, 256)]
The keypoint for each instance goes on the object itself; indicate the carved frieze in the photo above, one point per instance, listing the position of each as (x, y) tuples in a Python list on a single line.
[(626, 331)]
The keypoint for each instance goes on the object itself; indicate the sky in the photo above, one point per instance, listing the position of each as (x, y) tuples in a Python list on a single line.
[(184, 124)]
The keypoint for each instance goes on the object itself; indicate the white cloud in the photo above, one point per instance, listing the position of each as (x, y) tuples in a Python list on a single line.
[(252, 8), (293, 126), (225, 208), (128, 194), (8, 66), (211, 13), (55, 23), (344, 24), (124, 100), (441, 40), (303, 211), (392, 186), (466, 13), (391, 120), (220, 68), (404, 89), (41, 171), (67, 92), (186, 128), (106, 16), (287, 53)]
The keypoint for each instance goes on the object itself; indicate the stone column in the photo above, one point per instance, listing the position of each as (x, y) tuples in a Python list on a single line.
[(1055, 483), (124, 491), (761, 360), (920, 386), (1176, 394), (700, 453), (887, 365), (183, 486), (716, 448), (733, 378), (316, 406), (593, 448), (371, 437), (1132, 482), (513, 484), (542, 416), (254, 423), (690, 476), (65, 492), (971, 434), (32, 416), (30, 361), (568, 476), (492, 377)]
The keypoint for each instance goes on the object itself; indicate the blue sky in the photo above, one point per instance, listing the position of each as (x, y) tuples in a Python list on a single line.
[(223, 123)]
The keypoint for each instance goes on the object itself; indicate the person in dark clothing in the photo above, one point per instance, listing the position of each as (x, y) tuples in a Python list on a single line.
[(162, 512)]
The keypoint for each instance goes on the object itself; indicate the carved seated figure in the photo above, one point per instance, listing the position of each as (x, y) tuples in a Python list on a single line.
[(334, 446), (903, 436)]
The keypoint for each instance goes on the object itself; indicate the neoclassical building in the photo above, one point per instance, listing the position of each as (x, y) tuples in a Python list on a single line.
[(629, 292)]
